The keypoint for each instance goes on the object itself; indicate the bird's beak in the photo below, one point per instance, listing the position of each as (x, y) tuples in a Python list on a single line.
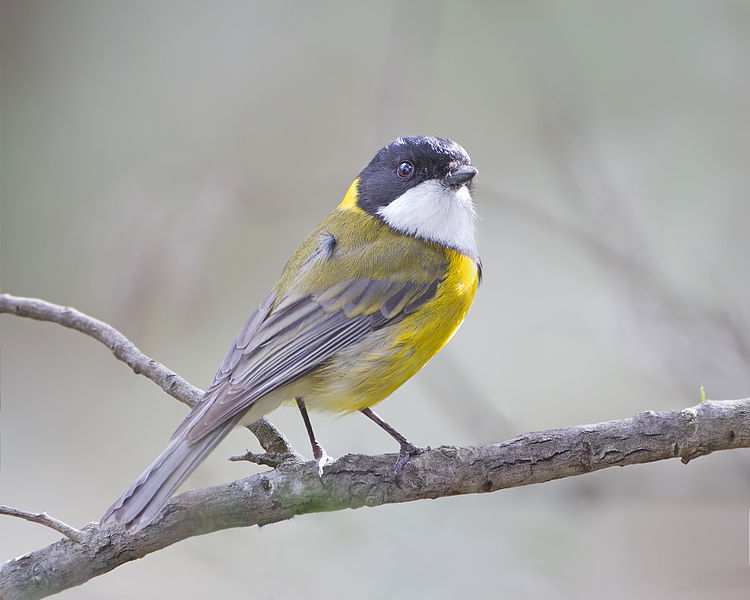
[(460, 176)]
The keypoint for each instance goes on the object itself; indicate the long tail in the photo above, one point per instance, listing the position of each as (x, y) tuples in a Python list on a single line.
[(137, 507)]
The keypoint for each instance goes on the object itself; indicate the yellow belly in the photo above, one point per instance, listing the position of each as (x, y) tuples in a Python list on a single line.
[(367, 372)]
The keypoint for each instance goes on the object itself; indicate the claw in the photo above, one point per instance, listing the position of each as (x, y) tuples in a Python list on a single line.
[(407, 451), (321, 458)]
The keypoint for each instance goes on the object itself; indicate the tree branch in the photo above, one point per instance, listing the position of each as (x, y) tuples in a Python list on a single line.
[(44, 519), (270, 438), (353, 481)]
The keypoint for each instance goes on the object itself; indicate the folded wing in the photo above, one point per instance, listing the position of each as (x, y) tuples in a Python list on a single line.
[(298, 335)]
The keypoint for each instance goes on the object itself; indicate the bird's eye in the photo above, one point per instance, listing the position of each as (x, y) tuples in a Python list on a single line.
[(405, 170)]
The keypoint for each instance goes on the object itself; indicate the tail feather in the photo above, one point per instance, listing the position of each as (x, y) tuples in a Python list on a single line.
[(138, 506)]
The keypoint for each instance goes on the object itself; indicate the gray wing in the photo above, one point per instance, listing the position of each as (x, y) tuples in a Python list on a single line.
[(280, 343)]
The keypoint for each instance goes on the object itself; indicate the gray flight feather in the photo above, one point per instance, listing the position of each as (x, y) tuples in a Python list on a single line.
[(279, 343)]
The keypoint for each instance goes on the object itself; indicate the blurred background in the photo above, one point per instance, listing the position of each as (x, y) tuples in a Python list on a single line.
[(161, 161)]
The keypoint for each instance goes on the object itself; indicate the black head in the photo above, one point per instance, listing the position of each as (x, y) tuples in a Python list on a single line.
[(408, 161)]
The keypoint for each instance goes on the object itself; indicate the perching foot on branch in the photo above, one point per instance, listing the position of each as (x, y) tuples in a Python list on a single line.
[(407, 451), (407, 448)]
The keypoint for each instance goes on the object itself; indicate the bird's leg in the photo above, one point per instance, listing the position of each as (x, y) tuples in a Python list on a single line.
[(319, 452), (407, 448)]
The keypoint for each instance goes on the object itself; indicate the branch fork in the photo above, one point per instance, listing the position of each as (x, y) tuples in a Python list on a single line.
[(294, 486)]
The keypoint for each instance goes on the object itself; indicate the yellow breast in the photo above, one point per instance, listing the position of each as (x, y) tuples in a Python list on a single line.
[(430, 328), (369, 371)]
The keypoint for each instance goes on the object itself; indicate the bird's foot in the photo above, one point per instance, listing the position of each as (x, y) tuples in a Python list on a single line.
[(407, 451), (321, 457)]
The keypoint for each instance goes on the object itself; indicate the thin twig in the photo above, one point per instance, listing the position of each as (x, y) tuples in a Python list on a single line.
[(270, 438), (266, 458), (44, 519)]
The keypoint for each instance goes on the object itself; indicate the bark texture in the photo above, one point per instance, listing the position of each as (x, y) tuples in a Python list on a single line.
[(354, 481)]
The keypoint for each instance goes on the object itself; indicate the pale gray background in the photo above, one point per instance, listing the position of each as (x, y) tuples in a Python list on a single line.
[(161, 160)]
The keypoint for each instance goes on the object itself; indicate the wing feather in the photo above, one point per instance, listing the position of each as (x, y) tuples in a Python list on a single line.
[(393, 305), (298, 327), (297, 336)]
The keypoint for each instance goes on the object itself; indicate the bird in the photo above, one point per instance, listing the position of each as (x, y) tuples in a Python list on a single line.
[(372, 293)]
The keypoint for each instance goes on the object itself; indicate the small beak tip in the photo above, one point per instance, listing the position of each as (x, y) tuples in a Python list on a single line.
[(461, 176)]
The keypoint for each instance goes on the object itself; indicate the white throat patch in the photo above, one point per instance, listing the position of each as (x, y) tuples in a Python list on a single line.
[(437, 213)]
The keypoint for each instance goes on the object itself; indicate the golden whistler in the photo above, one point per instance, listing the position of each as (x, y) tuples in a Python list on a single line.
[(366, 300)]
